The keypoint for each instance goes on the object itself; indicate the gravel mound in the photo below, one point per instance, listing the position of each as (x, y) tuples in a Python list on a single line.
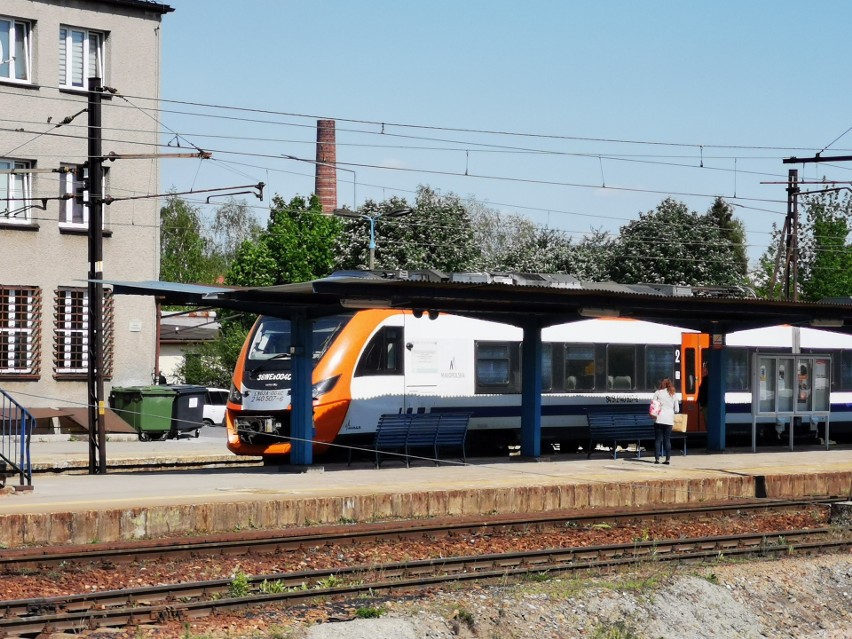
[(793, 598)]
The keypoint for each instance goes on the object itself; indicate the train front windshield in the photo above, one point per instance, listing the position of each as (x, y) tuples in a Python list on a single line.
[(270, 344)]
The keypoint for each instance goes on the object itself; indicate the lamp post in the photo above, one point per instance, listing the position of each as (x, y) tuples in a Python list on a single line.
[(372, 220), (336, 168)]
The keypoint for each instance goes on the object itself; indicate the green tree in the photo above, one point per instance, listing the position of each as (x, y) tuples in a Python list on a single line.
[(823, 252), (183, 245), (733, 231), (762, 275), (594, 256), (825, 255), (233, 224), (299, 240), (437, 234), (296, 246), (212, 363), (672, 245), (498, 235)]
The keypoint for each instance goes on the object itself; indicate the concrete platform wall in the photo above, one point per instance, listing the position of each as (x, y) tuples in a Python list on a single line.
[(117, 524)]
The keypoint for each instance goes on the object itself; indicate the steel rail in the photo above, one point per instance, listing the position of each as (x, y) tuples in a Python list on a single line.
[(182, 601), (293, 539)]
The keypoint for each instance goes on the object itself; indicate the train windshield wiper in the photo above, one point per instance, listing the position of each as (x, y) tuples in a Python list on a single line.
[(263, 365)]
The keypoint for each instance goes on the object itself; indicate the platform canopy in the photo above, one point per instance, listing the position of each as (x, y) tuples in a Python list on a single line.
[(529, 300), (514, 298)]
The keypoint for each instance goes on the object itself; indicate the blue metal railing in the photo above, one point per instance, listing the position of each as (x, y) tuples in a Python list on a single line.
[(16, 425)]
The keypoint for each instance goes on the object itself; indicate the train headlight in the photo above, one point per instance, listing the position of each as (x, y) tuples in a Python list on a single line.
[(234, 395), (324, 386)]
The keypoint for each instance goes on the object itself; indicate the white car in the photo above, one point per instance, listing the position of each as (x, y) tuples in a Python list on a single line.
[(214, 407)]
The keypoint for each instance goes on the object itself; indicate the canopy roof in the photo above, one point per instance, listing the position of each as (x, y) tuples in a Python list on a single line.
[(514, 298)]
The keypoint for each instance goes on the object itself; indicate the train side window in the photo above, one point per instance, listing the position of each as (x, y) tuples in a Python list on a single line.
[(621, 366), (659, 363), (546, 367), (736, 375), (493, 364), (844, 369), (383, 355), (579, 367)]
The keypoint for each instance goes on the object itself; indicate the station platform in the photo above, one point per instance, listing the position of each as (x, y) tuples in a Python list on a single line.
[(180, 497)]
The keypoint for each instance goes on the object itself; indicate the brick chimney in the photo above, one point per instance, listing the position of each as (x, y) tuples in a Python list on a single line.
[(326, 174)]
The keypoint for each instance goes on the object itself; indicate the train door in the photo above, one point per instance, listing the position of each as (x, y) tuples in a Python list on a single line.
[(422, 355), (691, 354)]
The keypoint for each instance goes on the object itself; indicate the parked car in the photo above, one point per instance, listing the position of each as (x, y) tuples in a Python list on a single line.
[(214, 407)]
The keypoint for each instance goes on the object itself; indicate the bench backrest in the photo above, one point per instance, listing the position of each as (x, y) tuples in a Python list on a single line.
[(392, 429), (452, 428), (627, 417), (422, 429)]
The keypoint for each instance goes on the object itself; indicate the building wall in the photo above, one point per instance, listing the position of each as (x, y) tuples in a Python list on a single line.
[(47, 254)]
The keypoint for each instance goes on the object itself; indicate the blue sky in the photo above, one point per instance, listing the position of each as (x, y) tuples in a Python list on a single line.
[(578, 114)]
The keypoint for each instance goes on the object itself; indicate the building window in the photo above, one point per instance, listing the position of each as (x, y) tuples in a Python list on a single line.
[(15, 191), (81, 56), (20, 330), (71, 333), (73, 212), (15, 50)]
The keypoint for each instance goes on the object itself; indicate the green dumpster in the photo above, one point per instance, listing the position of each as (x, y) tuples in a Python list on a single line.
[(148, 409)]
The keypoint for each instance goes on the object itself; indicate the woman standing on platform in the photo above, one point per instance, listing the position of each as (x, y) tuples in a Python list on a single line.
[(663, 426)]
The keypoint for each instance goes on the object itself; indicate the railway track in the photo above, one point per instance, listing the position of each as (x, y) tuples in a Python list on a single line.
[(12, 560), (183, 601)]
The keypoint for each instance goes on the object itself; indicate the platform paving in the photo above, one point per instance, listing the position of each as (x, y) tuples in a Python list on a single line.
[(126, 504)]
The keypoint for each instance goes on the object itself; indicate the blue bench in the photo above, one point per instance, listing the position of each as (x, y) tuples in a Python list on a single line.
[(404, 432), (623, 424)]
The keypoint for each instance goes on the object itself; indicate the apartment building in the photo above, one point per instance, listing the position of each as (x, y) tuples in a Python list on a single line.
[(48, 50)]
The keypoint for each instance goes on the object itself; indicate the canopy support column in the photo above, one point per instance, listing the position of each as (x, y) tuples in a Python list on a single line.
[(531, 390), (716, 415), (301, 417)]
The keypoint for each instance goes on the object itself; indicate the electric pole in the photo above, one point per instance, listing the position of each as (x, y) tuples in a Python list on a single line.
[(97, 427)]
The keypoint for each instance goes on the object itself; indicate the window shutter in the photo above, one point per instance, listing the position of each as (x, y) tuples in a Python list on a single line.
[(63, 34), (77, 42)]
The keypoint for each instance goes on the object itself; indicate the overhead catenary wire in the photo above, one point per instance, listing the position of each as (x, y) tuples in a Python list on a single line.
[(386, 132)]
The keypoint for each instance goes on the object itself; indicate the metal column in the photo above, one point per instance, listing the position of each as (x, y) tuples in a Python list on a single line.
[(531, 391), (716, 400), (301, 417)]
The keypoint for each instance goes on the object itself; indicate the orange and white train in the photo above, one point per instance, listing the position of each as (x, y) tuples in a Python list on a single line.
[(371, 362)]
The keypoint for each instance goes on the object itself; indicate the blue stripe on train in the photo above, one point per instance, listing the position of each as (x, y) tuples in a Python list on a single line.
[(841, 411)]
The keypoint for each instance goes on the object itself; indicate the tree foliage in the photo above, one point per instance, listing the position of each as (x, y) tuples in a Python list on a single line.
[(233, 224), (299, 240), (436, 234), (183, 245), (824, 252), (826, 256), (212, 363), (672, 245)]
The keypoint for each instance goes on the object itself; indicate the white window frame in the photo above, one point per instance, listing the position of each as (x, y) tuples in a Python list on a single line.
[(71, 332), (15, 191), (72, 213), (72, 325), (90, 43), (19, 329), (16, 61)]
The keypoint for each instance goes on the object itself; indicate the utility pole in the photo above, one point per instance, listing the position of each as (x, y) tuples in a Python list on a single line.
[(789, 244), (790, 233), (97, 427)]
